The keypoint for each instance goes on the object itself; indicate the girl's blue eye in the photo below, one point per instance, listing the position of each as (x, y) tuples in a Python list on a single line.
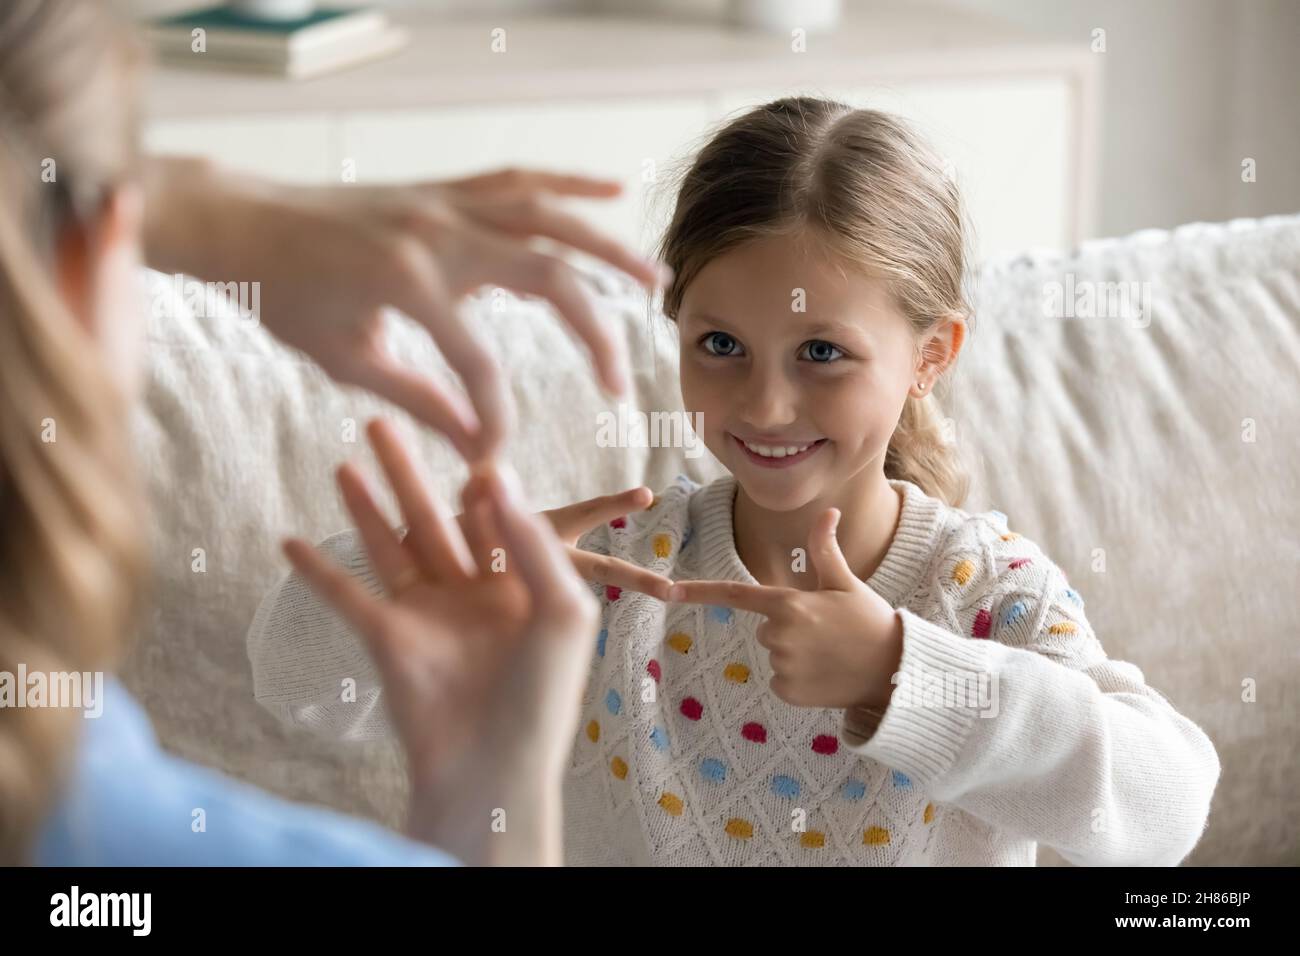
[(822, 352), (723, 342)]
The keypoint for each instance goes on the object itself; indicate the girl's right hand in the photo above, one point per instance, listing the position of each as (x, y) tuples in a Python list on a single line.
[(483, 647)]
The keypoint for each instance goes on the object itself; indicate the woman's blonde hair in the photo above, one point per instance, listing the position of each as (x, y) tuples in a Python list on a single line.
[(866, 186), (72, 554)]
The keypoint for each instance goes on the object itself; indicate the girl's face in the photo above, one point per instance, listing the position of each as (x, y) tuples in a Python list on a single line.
[(800, 372)]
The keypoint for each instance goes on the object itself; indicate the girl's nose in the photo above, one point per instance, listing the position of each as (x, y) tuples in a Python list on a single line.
[(769, 400)]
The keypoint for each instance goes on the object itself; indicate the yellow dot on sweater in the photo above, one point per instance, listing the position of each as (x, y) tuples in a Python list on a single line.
[(680, 642), (963, 571), (929, 813), (663, 546), (618, 767), (875, 836), (736, 673), (1010, 536), (1065, 627), (740, 829), (813, 839), (671, 803), (593, 731)]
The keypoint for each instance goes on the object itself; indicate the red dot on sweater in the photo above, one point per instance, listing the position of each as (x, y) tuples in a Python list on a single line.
[(612, 593), (692, 708), (618, 523), (825, 744), (983, 623), (1018, 562), (653, 670), (754, 732)]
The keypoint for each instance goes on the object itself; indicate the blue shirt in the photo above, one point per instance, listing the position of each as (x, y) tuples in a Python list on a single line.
[(127, 803)]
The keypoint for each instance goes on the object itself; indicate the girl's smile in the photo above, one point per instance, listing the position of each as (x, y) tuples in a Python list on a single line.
[(780, 454)]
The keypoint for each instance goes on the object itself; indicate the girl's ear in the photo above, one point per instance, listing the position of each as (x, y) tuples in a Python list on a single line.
[(941, 346), (91, 256)]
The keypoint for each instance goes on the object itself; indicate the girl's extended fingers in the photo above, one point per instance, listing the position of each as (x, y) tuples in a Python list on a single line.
[(622, 574), (571, 521), (768, 601), (387, 557), (432, 535)]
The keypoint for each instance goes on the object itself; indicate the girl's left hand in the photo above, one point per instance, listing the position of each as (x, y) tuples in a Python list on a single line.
[(837, 646)]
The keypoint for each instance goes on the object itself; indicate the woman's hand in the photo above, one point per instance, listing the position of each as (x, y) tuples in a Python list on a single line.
[(329, 259), (483, 646), (837, 646)]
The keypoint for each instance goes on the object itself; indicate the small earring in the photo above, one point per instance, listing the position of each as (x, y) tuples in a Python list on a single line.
[(921, 385)]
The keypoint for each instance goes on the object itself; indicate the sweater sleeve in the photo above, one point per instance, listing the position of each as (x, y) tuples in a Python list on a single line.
[(310, 668), (1035, 730)]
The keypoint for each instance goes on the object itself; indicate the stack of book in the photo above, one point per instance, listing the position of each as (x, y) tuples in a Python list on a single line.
[(328, 39)]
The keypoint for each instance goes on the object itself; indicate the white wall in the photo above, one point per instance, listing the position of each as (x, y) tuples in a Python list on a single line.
[(1192, 88)]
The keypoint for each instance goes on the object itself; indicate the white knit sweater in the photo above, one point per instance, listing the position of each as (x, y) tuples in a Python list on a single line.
[(1009, 726)]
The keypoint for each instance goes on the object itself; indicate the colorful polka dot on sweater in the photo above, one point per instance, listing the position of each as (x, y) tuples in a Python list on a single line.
[(812, 840), (754, 732), (663, 546), (963, 572), (825, 744), (713, 769), (692, 709), (654, 670), (784, 786), (875, 836), (740, 829), (613, 702), (680, 642), (671, 803), (736, 673), (659, 737)]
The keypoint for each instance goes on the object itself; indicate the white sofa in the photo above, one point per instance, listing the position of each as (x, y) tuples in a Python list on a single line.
[(1152, 455)]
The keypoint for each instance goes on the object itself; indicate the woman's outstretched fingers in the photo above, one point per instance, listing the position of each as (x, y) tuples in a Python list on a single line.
[(390, 560), (433, 535), (538, 555)]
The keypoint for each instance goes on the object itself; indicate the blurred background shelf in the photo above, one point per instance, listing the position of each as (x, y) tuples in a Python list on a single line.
[(624, 97)]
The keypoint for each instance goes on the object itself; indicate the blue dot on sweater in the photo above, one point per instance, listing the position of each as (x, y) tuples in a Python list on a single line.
[(600, 641), (854, 789), (784, 786), (723, 614), (711, 769), (902, 779), (659, 737), (686, 537), (1013, 613), (1074, 596), (613, 702)]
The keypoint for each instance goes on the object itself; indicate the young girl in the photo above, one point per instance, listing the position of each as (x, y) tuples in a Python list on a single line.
[(850, 669)]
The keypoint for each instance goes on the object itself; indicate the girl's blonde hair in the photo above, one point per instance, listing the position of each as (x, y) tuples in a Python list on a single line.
[(868, 188), (72, 554)]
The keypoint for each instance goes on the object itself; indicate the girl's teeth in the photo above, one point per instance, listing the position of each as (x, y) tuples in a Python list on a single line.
[(769, 452)]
